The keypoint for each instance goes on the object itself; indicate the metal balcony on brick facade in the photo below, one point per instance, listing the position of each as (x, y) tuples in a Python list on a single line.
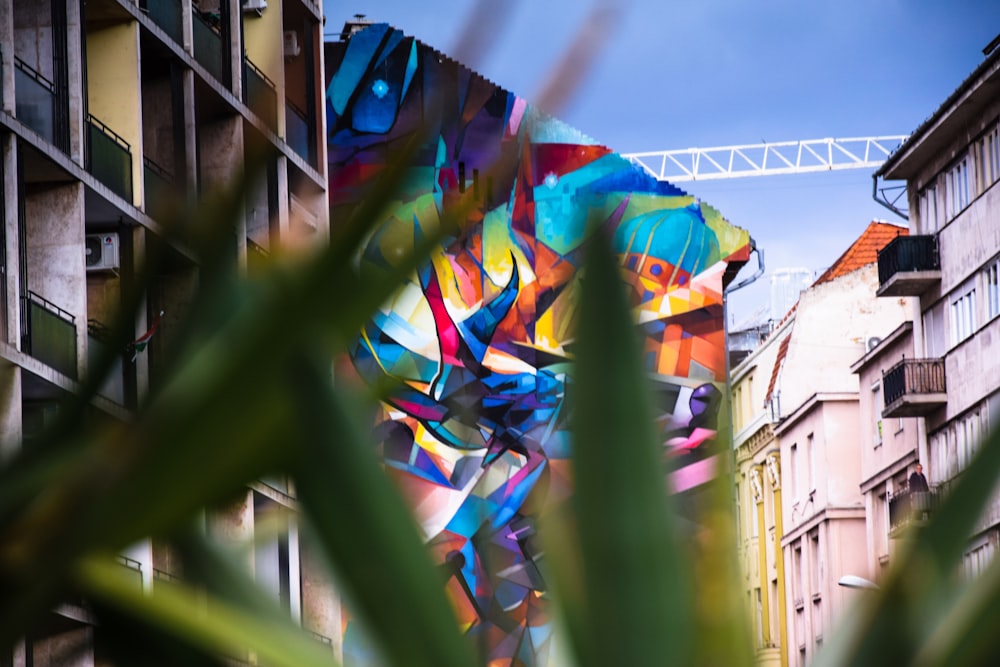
[(910, 509), (914, 388), (908, 266)]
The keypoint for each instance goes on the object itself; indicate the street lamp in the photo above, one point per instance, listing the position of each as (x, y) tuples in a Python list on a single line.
[(854, 581)]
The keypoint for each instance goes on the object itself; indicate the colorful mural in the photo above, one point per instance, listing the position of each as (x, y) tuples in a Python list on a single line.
[(481, 338)]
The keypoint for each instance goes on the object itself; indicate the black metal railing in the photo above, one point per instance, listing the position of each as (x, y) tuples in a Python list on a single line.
[(209, 47), (259, 93), (160, 190), (49, 334), (911, 507), (167, 15), (133, 566), (34, 100), (908, 253), (109, 158), (297, 130), (913, 376)]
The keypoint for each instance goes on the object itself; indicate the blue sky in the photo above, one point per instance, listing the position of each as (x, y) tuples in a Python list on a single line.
[(719, 72)]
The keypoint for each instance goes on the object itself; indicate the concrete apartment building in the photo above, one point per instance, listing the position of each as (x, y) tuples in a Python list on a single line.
[(112, 112), (797, 452), (950, 263)]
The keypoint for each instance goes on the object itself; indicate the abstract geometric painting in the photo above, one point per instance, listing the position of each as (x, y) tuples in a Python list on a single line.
[(481, 337)]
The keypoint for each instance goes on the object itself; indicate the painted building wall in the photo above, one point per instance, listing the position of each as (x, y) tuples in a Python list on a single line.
[(481, 336), (889, 446)]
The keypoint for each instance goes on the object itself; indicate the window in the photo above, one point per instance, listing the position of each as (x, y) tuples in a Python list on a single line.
[(880, 524), (810, 464), (989, 158), (928, 203), (991, 284), (934, 331), (977, 558), (797, 576), (796, 485), (877, 412), (815, 569), (957, 187), (963, 315)]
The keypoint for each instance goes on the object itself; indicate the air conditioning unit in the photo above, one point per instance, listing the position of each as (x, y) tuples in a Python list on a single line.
[(254, 6), (292, 47), (101, 252)]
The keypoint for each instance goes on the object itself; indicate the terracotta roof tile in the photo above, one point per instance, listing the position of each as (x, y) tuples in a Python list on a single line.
[(864, 250), (778, 360)]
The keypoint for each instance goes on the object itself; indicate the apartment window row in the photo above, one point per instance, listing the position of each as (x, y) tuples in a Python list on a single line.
[(979, 555), (953, 447), (970, 175), (966, 311)]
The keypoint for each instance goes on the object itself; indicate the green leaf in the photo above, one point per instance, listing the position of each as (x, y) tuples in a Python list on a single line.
[(217, 627)]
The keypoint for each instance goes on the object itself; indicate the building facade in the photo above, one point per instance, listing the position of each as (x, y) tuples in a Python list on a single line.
[(950, 264), (115, 115)]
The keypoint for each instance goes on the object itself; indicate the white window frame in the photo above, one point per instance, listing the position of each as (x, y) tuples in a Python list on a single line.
[(956, 188), (991, 287), (962, 314), (928, 203), (989, 158)]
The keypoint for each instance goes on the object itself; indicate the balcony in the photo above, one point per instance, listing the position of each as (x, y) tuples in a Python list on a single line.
[(35, 100), (297, 132), (160, 190), (209, 46), (914, 388), (908, 266), (259, 94), (109, 158), (49, 334), (910, 509), (167, 15)]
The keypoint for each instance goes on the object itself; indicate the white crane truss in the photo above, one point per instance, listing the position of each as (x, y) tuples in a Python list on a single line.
[(767, 159)]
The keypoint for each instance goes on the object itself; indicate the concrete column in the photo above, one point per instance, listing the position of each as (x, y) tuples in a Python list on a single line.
[(190, 176), (12, 256), (7, 51), (322, 611), (235, 46), (74, 48), (10, 410)]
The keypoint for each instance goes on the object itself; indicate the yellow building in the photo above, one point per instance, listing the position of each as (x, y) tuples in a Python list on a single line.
[(758, 493)]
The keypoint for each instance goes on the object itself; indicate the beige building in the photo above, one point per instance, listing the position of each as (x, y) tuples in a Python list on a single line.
[(951, 264), (112, 112)]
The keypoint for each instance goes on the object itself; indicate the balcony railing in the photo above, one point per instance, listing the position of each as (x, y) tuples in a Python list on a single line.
[(167, 15), (910, 508), (35, 100), (297, 131), (914, 387), (49, 334), (259, 94), (209, 47), (109, 158), (160, 191), (908, 266)]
